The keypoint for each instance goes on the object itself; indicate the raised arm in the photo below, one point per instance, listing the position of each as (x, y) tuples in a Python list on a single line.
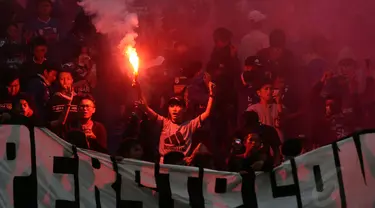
[(142, 104), (207, 112)]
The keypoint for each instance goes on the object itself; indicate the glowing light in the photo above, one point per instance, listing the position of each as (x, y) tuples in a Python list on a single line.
[(133, 58)]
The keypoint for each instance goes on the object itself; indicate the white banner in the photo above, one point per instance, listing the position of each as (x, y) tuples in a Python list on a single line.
[(39, 169)]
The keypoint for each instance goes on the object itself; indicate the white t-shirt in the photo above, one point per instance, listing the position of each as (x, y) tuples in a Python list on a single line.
[(253, 42), (267, 114), (177, 137)]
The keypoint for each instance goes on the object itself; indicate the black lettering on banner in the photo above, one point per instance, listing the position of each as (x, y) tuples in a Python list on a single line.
[(25, 187), (318, 178), (248, 192), (163, 187), (336, 157), (117, 187), (65, 165), (358, 146), (195, 190), (11, 150), (220, 185), (288, 190), (137, 174), (96, 164), (97, 198), (138, 180)]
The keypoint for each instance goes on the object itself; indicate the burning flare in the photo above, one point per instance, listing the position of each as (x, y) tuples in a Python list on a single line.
[(132, 55)]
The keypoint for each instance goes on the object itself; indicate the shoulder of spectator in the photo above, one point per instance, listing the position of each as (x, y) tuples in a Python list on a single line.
[(100, 126)]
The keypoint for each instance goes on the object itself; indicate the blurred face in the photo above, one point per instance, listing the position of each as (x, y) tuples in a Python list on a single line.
[(65, 80), (14, 88), (276, 53), (348, 71), (280, 83), (181, 49), (136, 152), (44, 9), (40, 52), (331, 108), (176, 113), (50, 76), (248, 68), (12, 32), (24, 109), (253, 141), (265, 93), (221, 43), (87, 108), (84, 50)]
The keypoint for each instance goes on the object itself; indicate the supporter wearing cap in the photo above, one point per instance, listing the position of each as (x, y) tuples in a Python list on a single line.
[(256, 39), (177, 132), (253, 71)]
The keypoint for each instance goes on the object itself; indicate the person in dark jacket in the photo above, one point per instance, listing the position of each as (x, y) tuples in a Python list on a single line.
[(22, 113), (64, 95), (11, 90), (40, 87), (95, 132), (32, 66)]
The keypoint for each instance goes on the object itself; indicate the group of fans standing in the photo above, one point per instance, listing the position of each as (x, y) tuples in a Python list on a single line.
[(246, 108)]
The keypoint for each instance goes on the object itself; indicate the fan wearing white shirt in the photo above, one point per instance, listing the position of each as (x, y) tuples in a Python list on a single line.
[(256, 39), (269, 107)]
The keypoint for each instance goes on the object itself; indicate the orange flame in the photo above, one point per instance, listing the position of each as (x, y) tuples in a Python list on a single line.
[(132, 54)]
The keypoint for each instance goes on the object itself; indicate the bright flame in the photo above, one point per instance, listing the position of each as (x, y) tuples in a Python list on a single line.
[(133, 58)]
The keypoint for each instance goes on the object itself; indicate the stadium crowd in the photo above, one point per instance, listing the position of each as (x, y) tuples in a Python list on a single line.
[(252, 105)]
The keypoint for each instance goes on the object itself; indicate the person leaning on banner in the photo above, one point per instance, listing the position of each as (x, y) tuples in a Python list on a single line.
[(176, 135), (268, 134), (95, 132), (250, 154), (23, 112)]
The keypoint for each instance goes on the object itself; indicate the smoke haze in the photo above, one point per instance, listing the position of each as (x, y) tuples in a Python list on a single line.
[(113, 18)]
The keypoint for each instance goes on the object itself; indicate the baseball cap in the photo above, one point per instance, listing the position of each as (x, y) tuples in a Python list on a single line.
[(256, 16), (253, 61), (177, 101)]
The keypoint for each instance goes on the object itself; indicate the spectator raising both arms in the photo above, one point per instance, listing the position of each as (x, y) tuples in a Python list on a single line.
[(177, 133)]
